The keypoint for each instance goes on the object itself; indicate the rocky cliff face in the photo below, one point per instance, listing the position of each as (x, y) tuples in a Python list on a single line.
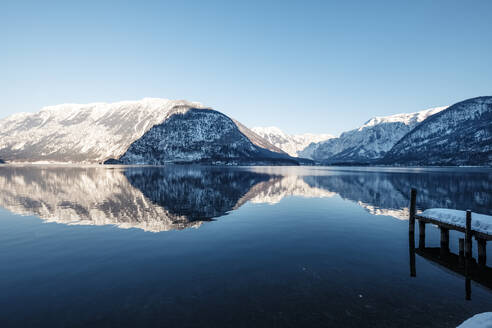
[(370, 142), (459, 135)]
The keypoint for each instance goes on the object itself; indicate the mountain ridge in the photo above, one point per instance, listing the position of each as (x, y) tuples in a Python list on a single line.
[(459, 135), (158, 131), (98, 132), (370, 141)]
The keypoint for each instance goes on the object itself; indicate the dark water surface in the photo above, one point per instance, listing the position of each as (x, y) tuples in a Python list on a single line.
[(183, 246)]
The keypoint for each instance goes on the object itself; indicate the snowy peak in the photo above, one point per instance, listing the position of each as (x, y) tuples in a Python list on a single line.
[(405, 118), (269, 131), (291, 144)]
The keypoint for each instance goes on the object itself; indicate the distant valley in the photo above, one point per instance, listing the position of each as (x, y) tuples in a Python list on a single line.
[(291, 144)]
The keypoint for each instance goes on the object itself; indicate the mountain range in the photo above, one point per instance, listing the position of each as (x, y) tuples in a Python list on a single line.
[(149, 131), (159, 131), (291, 144), (449, 135), (369, 142)]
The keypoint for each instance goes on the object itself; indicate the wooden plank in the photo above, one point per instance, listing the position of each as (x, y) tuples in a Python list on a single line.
[(481, 235), (444, 239), (476, 234), (421, 234), (411, 248), (482, 251), (468, 235), (462, 247), (413, 207), (439, 223), (461, 255)]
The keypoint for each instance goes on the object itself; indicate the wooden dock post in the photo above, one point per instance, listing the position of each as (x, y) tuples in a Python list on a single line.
[(462, 247), (468, 254), (482, 248), (468, 235), (411, 232), (411, 248), (444, 240), (421, 234), (462, 252), (411, 219)]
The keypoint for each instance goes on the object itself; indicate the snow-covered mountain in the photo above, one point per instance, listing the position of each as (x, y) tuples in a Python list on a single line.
[(197, 135), (459, 135), (149, 131), (369, 142), (291, 144)]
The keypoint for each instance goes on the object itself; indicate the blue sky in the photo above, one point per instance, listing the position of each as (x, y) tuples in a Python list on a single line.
[(304, 66)]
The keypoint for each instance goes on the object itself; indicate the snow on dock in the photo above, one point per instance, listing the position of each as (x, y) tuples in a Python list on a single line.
[(471, 224), (481, 223), (481, 320)]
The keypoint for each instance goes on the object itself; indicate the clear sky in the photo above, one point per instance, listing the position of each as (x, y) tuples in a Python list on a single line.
[(304, 66)]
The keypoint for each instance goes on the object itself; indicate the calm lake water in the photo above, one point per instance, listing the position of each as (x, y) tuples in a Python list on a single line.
[(187, 246)]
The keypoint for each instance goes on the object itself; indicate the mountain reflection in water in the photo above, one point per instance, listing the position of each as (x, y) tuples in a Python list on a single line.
[(178, 197)]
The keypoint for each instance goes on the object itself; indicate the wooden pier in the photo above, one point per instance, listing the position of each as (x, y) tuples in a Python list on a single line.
[(461, 263)]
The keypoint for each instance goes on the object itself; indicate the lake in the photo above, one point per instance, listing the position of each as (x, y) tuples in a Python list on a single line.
[(191, 246)]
